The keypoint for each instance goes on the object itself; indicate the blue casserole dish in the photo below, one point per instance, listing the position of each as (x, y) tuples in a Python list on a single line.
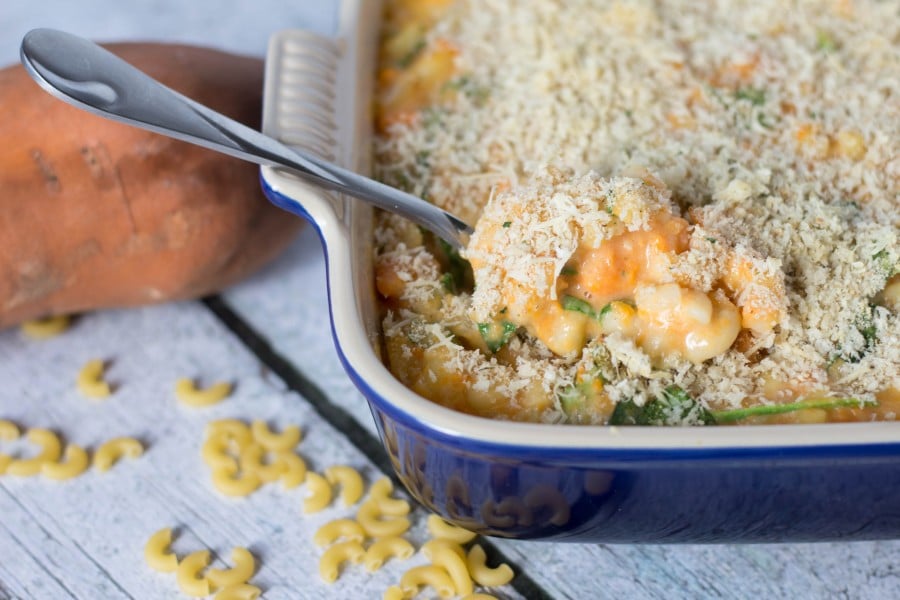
[(536, 481)]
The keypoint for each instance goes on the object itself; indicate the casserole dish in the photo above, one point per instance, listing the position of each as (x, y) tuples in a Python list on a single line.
[(538, 481)]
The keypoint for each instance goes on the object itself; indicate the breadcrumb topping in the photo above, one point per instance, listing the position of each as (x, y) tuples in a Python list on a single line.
[(774, 131)]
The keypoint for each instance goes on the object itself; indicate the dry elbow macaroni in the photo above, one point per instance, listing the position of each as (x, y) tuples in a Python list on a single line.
[(274, 442), (252, 461), (187, 393), (157, 554), (332, 531), (242, 457), (440, 528), (190, 581), (319, 493), (349, 479), (111, 451), (231, 583), (90, 380), (244, 565), (377, 524), (236, 455), (381, 517), (75, 461), (232, 430), (395, 507), (483, 574), (428, 575), (456, 567), (381, 491), (52, 462), (385, 548), (381, 488), (215, 451), (227, 480), (334, 556), (51, 448), (429, 547), (240, 591), (39, 329), (293, 470), (395, 592), (9, 431)]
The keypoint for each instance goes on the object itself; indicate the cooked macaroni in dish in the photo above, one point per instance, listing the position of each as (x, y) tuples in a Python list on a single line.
[(685, 212)]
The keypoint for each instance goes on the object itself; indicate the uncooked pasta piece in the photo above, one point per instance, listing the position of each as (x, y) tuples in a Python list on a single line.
[(244, 565), (75, 461), (48, 327), (440, 528), (377, 524), (231, 483), (157, 554), (90, 380), (252, 460), (330, 532), (484, 575), (187, 393), (385, 548), (380, 492), (349, 479), (111, 451), (190, 581), (319, 493), (429, 575), (51, 449), (240, 591), (9, 431), (232, 429), (456, 567), (330, 563), (293, 469), (286, 440)]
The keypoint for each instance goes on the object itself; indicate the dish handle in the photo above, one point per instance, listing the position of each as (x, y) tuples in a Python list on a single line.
[(299, 111), (318, 98)]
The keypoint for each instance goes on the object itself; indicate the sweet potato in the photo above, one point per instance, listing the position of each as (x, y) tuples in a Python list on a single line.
[(97, 214)]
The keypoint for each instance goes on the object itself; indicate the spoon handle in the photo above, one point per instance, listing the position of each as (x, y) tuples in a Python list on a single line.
[(85, 75)]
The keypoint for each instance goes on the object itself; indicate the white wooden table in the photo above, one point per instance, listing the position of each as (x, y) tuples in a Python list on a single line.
[(84, 538)]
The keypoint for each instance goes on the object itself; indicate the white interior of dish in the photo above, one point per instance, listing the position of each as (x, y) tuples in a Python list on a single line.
[(318, 96)]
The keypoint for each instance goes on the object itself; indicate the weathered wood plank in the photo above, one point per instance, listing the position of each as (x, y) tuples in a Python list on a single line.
[(22, 573), (88, 534)]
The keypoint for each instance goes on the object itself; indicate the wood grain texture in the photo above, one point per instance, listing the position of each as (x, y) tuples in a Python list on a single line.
[(84, 538)]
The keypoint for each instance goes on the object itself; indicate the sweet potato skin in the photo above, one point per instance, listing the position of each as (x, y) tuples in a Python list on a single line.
[(97, 214)]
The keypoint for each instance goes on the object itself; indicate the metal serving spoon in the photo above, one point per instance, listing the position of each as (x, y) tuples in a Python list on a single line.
[(89, 77)]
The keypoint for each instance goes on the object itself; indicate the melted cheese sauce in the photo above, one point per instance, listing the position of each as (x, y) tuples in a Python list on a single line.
[(623, 284)]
